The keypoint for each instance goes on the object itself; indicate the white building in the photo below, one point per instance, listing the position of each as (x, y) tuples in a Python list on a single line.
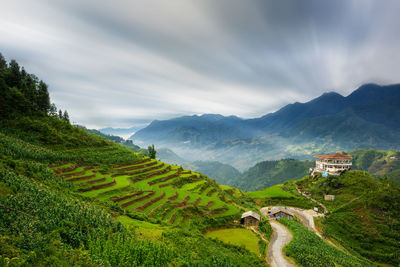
[(333, 164)]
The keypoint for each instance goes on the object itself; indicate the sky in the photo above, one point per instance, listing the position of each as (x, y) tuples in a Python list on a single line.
[(126, 63)]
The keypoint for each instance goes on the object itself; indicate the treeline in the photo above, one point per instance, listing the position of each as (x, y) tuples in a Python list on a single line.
[(24, 94)]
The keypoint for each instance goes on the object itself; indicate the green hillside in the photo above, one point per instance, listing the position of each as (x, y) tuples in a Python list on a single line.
[(69, 197), (267, 173), (365, 216), (378, 162)]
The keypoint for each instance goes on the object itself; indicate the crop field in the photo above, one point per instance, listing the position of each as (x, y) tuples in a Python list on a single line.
[(271, 192), (307, 249), (236, 236), (157, 190)]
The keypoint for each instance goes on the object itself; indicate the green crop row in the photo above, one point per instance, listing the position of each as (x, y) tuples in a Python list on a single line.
[(307, 249)]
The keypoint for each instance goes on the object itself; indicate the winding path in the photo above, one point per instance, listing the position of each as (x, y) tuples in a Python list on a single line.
[(280, 238)]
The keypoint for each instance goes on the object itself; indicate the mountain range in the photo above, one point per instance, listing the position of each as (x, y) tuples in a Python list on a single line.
[(367, 118), (122, 132)]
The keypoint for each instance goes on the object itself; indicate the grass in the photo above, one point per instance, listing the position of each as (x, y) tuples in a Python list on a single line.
[(145, 230), (270, 192), (236, 236)]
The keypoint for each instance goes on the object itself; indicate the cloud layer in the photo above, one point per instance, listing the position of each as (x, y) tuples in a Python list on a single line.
[(124, 63)]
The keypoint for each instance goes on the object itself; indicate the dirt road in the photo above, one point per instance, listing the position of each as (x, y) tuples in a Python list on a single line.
[(280, 238), (306, 217)]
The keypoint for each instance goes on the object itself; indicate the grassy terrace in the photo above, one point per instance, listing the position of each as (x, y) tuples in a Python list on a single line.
[(273, 191), (237, 236), (158, 190)]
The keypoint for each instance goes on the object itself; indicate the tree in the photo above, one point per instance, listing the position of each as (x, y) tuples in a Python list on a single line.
[(14, 74), (60, 114), (53, 111), (66, 116), (3, 62), (43, 98), (152, 151)]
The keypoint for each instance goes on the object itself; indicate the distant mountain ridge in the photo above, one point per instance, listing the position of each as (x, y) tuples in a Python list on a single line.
[(369, 117), (122, 132)]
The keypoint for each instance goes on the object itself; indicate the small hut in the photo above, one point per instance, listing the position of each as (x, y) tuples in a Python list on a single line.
[(329, 197), (278, 212), (250, 218)]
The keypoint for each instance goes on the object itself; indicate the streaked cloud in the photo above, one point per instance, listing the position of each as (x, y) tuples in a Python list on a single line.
[(124, 63)]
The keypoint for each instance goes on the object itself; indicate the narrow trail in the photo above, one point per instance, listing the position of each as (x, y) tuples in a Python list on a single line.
[(310, 198), (279, 239), (254, 229)]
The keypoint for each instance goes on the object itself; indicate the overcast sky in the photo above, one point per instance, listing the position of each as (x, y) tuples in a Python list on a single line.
[(125, 63)]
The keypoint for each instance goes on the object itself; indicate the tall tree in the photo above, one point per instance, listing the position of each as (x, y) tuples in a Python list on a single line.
[(152, 151), (60, 114), (3, 62), (66, 116), (43, 98), (14, 74)]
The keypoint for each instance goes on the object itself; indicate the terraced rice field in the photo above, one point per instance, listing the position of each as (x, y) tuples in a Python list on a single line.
[(156, 189)]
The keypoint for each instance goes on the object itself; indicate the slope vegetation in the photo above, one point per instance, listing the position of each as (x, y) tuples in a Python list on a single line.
[(268, 173), (364, 218), (381, 163)]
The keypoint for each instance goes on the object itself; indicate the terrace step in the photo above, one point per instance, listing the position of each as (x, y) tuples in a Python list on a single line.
[(131, 163), (76, 173), (219, 211), (121, 198), (151, 175), (81, 178), (96, 181), (164, 185), (164, 179), (149, 195), (210, 204), (174, 197), (141, 166), (211, 192), (67, 169), (172, 219), (58, 164), (151, 202), (140, 170), (203, 188), (96, 187)]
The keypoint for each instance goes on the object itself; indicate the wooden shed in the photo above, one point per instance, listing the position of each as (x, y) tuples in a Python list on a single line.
[(281, 212), (329, 197), (250, 218)]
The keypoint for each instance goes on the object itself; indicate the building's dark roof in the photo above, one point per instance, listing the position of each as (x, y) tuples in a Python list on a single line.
[(334, 156), (251, 214), (275, 210)]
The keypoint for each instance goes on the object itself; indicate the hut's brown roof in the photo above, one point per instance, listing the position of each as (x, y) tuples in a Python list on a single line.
[(275, 210), (252, 214)]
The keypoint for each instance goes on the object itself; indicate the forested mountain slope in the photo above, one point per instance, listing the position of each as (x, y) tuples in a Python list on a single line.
[(268, 173)]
